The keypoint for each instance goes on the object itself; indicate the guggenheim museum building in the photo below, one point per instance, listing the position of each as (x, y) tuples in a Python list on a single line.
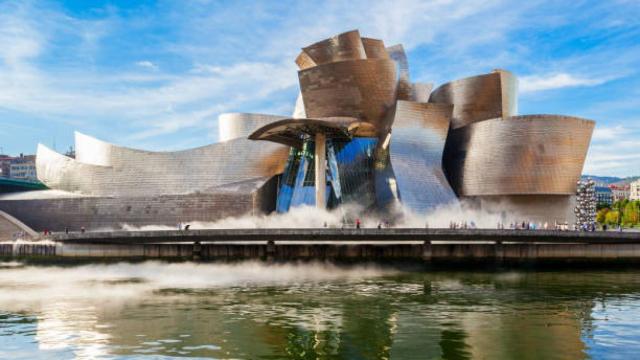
[(362, 132)]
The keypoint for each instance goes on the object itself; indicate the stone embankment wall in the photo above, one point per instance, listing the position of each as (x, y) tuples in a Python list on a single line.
[(436, 253), (11, 228)]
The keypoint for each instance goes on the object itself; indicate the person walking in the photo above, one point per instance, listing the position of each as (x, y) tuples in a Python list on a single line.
[(357, 223)]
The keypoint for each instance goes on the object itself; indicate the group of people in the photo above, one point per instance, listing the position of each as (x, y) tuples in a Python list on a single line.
[(462, 225), (528, 225), (47, 232)]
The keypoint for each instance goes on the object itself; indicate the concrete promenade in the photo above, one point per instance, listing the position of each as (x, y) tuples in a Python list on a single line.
[(349, 235), (427, 245)]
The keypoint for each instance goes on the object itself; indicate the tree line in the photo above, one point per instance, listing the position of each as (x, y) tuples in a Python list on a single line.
[(624, 212)]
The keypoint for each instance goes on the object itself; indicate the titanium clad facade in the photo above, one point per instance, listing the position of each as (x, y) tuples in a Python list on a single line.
[(142, 173), (417, 145), (397, 53), (304, 61), (478, 98), (105, 213), (92, 151), (240, 125), (407, 90), (421, 92), (342, 47), (374, 49), (364, 89), (520, 155)]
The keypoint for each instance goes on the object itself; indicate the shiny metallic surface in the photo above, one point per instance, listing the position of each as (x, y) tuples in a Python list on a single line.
[(478, 98), (92, 151), (240, 125), (108, 186), (374, 48), (364, 89), (304, 61), (420, 92), (397, 53), (417, 144), (406, 90), (520, 155), (342, 47), (136, 173)]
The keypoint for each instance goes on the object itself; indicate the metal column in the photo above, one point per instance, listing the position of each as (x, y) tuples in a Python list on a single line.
[(321, 170)]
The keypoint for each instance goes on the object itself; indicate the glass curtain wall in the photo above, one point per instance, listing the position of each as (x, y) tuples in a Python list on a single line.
[(350, 174)]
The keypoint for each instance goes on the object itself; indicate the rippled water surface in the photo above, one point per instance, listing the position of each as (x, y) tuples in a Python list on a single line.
[(309, 311)]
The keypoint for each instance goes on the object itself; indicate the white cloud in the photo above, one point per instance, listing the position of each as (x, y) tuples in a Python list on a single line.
[(147, 64), (54, 66), (535, 83), (157, 102), (18, 40), (609, 133), (614, 151)]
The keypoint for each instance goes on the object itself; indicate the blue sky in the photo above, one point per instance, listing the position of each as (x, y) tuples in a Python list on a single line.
[(156, 74)]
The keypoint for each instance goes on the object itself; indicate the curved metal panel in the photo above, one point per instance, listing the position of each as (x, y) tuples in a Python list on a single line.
[(364, 89), (374, 48), (304, 61), (345, 46), (142, 173), (478, 98), (240, 125), (404, 88), (420, 92), (60, 172), (520, 155), (417, 144), (90, 150)]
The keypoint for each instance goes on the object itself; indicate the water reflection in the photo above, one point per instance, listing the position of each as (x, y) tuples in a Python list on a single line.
[(314, 311)]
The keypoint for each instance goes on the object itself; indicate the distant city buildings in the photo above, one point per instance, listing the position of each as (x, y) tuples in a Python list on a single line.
[(21, 167), (634, 190), (604, 195), (5, 165), (619, 192)]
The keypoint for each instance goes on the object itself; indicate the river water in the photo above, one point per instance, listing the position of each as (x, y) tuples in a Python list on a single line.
[(252, 310)]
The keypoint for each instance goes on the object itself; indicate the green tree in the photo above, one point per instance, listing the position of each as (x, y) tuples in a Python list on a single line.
[(612, 217), (601, 215), (631, 213)]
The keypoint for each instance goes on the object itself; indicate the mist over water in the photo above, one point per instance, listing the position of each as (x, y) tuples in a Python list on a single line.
[(312, 310), (27, 287), (311, 217)]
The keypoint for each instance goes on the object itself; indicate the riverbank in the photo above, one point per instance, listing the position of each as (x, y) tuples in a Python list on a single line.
[(424, 245)]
